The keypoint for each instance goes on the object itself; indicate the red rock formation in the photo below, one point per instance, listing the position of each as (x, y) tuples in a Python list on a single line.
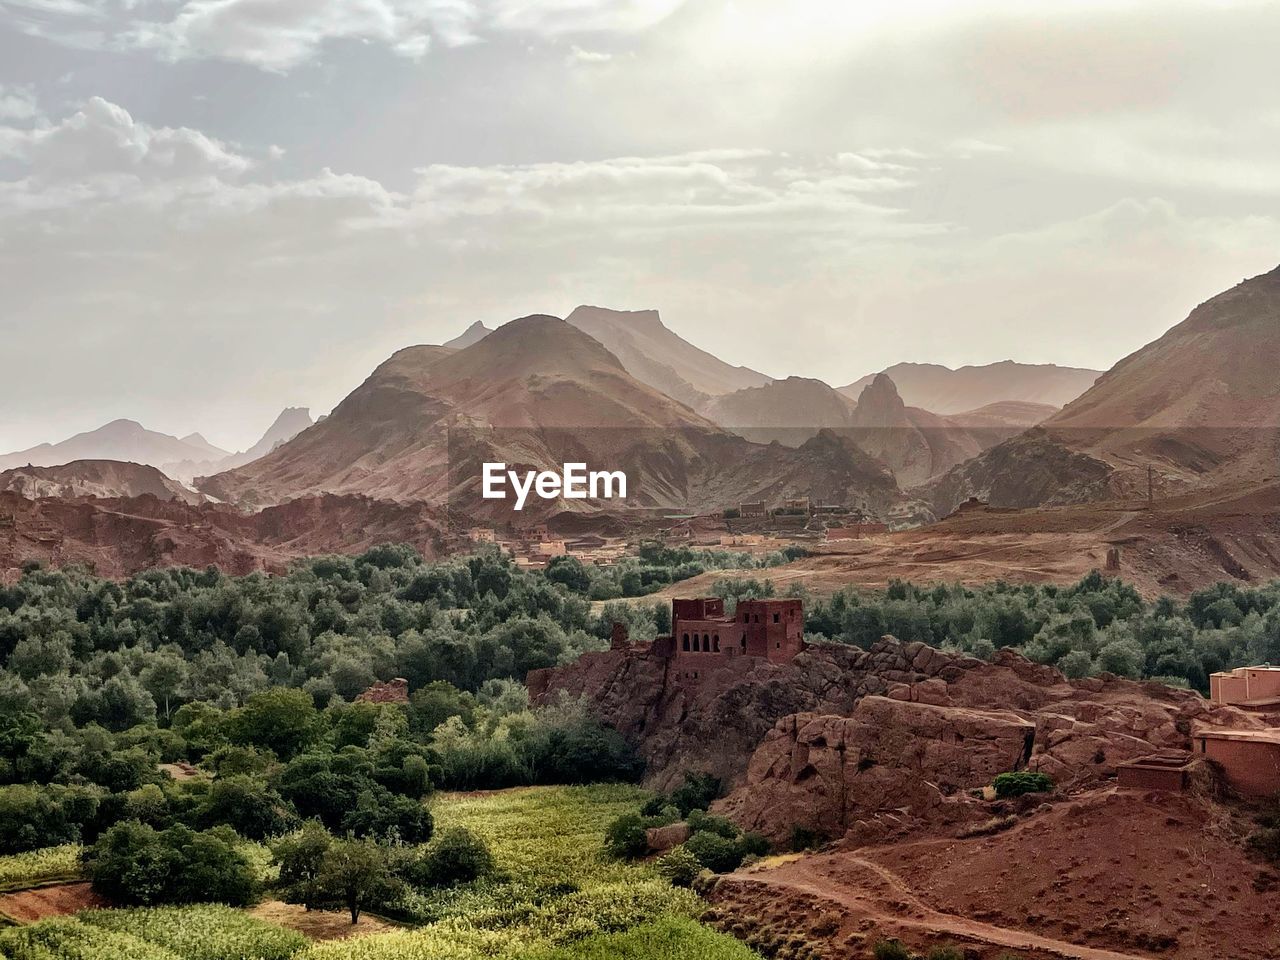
[(392, 691)]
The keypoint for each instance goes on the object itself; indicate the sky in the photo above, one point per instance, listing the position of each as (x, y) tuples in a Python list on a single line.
[(213, 209)]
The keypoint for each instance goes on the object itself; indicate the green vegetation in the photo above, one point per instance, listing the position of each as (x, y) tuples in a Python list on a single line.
[(201, 933), (670, 938), (551, 887), (189, 933), (134, 863), (1017, 783), (21, 870), (893, 949), (715, 843), (1097, 625)]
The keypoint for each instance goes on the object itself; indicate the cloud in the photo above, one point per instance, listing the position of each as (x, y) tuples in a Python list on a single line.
[(17, 103), (169, 275), (579, 56), (102, 139), (280, 35)]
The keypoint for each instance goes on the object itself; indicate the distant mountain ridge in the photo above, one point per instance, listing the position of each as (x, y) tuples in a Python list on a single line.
[(182, 458), (94, 478), (537, 391), (124, 440), (942, 390)]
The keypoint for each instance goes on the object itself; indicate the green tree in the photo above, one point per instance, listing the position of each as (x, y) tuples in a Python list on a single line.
[(357, 875)]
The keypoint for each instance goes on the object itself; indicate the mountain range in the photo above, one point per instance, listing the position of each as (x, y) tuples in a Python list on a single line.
[(942, 390), (539, 392), (127, 441), (1196, 408)]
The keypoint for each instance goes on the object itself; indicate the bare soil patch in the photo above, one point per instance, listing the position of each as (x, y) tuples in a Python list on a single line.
[(56, 900), (319, 924), (1111, 875)]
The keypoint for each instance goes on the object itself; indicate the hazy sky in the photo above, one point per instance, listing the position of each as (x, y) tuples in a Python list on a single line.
[(211, 209)]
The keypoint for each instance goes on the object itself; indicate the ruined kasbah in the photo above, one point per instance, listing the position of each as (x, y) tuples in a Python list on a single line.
[(704, 640)]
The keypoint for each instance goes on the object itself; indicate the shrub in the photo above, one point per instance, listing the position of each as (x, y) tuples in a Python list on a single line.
[(947, 952), (680, 867), (1022, 781), (456, 856), (702, 822), (626, 838), (1265, 841), (988, 827), (754, 844), (384, 815), (805, 838), (891, 950), (134, 863), (718, 854), (696, 793)]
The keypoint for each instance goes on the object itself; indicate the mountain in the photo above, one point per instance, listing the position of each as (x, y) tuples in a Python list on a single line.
[(1199, 408), (914, 443), (291, 422), (476, 332), (94, 478), (789, 411), (123, 440), (536, 392), (653, 354), (1011, 415), (946, 391)]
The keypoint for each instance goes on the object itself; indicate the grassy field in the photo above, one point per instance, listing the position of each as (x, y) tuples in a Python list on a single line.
[(558, 897), (22, 870)]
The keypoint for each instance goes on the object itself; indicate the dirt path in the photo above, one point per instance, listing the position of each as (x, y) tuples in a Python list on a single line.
[(886, 899)]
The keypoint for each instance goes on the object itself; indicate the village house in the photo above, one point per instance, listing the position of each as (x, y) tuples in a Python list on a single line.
[(1249, 759), (1249, 688)]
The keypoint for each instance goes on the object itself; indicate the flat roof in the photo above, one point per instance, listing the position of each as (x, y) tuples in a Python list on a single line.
[(1253, 736), (1163, 761), (1238, 670)]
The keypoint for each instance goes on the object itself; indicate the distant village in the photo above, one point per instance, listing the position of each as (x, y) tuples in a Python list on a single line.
[(751, 527)]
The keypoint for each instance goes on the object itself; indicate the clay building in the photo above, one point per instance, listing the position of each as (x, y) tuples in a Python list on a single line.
[(1248, 759), (703, 635), (1170, 770), (1249, 688)]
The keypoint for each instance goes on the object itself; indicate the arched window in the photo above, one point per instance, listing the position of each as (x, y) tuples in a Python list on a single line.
[(715, 643), (706, 643), (775, 618), (743, 643), (755, 618), (685, 642)]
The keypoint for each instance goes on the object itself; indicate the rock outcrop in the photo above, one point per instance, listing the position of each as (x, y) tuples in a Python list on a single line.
[(832, 774), (841, 738)]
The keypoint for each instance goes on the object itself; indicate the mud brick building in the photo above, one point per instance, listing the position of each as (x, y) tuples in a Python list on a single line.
[(1249, 688), (1248, 759), (705, 640)]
